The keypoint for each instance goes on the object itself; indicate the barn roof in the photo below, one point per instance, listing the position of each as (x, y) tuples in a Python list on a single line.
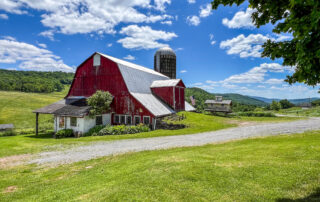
[(138, 80), (188, 107), (165, 83), (227, 102)]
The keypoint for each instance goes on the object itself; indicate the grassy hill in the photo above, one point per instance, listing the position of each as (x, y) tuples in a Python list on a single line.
[(202, 95)]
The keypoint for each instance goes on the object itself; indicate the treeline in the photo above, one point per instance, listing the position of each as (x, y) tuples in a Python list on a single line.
[(32, 81)]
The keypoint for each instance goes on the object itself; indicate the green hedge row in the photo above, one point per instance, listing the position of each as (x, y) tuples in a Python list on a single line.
[(64, 133)]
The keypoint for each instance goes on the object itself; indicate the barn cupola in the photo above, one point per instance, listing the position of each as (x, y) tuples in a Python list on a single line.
[(165, 62)]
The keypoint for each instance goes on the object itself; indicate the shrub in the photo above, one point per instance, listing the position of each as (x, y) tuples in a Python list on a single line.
[(94, 131), (256, 114), (8, 133), (64, 133), (122, 129)]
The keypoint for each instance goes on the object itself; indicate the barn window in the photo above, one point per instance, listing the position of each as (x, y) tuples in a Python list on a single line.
[(136, 120), (146, 120), (123, 119), (116, 119), (61, 122), (98, 120), (73, 121), (129, 120)]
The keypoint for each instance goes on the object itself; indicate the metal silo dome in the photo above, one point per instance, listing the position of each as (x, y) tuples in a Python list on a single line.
[(165, 62)]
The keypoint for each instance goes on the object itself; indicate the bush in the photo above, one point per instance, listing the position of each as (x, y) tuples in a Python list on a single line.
[(120, 130), (8, 133), (256, 114), (94, 131), (64, 133)]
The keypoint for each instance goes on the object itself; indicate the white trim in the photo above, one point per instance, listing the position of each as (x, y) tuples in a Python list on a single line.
[(146, 117), (127, 119), (134, 118)]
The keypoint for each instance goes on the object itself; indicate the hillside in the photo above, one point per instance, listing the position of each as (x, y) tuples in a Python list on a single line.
[(35, 82), (294, 101), (201, 96)]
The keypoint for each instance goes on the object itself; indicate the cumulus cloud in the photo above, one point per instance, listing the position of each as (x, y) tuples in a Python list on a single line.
[(129, 57), (48, 34), (212, 42), (87, 16), (30, 57), (167, 22), (250, 46), (191, 1), (144, 37), (183, 71), (274, 81), (205, 11), (240, 19), (4, 16), (193, 20)]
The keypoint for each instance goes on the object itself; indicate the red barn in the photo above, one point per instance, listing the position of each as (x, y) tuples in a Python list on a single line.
[(140, 95)]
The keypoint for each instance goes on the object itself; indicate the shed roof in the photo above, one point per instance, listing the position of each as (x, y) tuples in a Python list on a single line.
[(227, 102), (72, 110), (50, 109), (6, 126), (165, 83)]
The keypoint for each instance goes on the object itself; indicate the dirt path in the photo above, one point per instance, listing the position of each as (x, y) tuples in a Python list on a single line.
[(100, 149)]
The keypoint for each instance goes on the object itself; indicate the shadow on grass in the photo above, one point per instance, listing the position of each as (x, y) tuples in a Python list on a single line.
[(47, 135), (315, 196)]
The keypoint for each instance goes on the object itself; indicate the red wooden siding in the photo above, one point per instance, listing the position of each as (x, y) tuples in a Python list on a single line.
[(165, 94), (179, 98)]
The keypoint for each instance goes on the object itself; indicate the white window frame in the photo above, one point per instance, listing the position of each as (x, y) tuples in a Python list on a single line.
[(124, 119), (127, 119), (115, 121), (101, 120), (147, 117), (71, 121), (135, 119)]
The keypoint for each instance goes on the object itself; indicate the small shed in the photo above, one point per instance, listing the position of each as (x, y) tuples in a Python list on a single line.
[(6, 127), (219, 105)]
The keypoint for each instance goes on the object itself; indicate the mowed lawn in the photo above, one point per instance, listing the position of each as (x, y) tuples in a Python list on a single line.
[(17, 107), (281, 168)]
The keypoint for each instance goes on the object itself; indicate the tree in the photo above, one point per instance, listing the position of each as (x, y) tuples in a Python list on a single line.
[(285, 104), (99, 102), (275, 105), (301, 18)]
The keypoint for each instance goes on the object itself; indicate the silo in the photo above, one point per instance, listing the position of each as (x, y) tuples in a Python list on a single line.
[(165, 62)]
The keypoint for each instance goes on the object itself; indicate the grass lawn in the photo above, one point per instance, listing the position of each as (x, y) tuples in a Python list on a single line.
[(281, 168), (298, 111)]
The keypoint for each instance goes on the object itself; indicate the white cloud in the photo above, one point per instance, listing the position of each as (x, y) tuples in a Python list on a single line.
[(212, 42), (30, 57), (10, 38), (129, 57), (193, 20), (191, 1), (144, 37), (4, 16), (183, 71), (161, 4), (250, 46), (240, 19), (178, 49), (42, 45), (274, 81), (261, 86), (87, 16), (109, 45), (48, 34), (205, 11), (258, 74), (167, 22)]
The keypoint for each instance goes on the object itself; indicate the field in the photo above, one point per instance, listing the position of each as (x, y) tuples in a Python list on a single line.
[(298, 111), (282, 168)]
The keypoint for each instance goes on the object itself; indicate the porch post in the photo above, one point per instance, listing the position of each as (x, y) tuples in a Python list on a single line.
[(37, 123)]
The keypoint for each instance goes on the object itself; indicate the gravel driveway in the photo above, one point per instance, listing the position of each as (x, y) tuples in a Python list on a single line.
[(100, 149)]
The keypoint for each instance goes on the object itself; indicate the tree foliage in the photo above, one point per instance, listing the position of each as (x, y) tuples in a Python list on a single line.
[(100, 102), (286, 104), (36, 82), (301, 18), (275, 105)]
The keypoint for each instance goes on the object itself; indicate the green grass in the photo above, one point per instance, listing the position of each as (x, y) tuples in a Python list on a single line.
[(17, 107), (298, 111), (264, 169)]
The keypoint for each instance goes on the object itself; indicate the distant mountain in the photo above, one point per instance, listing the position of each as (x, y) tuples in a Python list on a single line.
[(202, 95), (293, 101)]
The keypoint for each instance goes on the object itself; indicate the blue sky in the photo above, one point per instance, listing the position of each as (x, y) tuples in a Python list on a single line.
[(218, 50)]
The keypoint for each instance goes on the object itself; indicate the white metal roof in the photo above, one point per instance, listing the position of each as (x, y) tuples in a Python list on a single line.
[(165, 83), (138, 80), (153, 104), (188, 107)]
